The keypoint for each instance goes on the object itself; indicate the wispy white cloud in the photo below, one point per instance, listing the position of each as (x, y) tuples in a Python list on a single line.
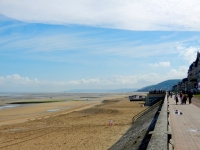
[(121, 14), (179, 73), (79, 42), (41, 42), (167, 37), (188, 53), (161, 64)]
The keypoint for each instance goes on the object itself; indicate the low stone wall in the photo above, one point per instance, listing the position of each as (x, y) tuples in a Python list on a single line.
[(133, 138), (159, 138), (148, 132)]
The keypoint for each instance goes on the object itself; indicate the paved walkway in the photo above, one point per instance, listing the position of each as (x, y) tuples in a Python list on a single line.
[(196, 101), (185, 127)]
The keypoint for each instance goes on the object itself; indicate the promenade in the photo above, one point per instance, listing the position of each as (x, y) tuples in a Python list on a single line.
[(185, 125)]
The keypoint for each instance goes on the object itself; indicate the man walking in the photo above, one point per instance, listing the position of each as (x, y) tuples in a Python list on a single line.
[(190, 95)]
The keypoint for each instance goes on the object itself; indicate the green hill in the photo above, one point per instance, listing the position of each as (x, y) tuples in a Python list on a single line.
[(165, 85)]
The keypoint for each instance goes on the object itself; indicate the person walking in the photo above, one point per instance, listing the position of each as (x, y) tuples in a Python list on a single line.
[(181, 97), (184, 99), (176, 98), (190, 95)]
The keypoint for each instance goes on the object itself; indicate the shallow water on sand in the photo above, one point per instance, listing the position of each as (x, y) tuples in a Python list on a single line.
[(6, 98), (9, 106)]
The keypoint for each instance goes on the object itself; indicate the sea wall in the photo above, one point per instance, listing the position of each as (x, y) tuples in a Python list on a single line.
[(133, 138), (159, 139), (148, 132)]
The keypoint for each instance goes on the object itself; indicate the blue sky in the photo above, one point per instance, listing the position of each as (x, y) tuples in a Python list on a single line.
[(53, 46)]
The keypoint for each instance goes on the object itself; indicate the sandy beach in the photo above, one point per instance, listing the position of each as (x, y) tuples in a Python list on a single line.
[(79, 122)]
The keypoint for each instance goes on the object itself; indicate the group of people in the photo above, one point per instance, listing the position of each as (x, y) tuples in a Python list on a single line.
[(183, 97)]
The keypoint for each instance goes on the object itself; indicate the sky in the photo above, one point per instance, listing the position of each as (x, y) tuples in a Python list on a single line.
[(55, 46)]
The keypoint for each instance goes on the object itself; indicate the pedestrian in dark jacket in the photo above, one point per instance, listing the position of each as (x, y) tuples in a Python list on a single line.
[(184, 98), (176, 98), (190, 95)]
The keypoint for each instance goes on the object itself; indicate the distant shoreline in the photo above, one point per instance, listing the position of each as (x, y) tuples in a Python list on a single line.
[(14, 99)]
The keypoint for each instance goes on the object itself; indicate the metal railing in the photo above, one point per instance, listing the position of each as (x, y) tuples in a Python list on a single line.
[(145, 111)]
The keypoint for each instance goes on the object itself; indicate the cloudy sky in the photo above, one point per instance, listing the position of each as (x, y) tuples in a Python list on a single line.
[(54, 46)]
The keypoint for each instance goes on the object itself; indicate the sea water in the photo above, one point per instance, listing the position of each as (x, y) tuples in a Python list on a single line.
[(8, 106)]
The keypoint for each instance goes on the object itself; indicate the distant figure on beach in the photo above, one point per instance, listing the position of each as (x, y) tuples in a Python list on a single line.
[(176, 98), (184, 99), (111, 123), (190, 95), (181, 97)]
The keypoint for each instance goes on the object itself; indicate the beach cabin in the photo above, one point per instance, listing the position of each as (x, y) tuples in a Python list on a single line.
[(136, 98)]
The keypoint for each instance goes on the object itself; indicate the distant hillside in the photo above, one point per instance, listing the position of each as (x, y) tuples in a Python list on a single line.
[(101, 90), (166, 85)]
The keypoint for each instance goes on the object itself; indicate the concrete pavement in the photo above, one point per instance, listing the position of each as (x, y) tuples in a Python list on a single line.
[(185, 124)]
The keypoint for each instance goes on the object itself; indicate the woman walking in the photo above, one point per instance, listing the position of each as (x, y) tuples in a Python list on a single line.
[(181, 97)]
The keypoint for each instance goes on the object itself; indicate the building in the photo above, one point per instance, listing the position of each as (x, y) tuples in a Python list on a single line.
[(192, 82), (154, 96), (194, 74)]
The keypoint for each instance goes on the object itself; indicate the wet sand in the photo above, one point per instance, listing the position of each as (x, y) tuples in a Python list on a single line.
[(70, 124)]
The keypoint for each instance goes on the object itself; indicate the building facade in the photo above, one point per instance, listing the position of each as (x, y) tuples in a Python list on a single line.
[(192, 82)]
